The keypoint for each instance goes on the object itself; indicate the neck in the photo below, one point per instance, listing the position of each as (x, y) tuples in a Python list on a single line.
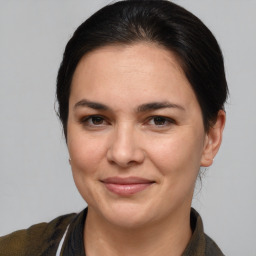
[(169, 237)]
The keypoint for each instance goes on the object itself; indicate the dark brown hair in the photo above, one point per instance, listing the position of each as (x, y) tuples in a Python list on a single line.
[(160, 22)]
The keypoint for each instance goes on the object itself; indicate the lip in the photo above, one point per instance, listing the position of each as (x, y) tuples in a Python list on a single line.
[(126, 186)]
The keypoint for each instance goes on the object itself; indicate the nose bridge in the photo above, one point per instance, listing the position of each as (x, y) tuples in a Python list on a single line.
[(125, 148)]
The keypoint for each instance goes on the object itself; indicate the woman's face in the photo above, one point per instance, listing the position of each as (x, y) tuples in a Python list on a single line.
[(135, 134)]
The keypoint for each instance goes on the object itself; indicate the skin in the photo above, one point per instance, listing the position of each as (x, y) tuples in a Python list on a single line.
[(128, 137)]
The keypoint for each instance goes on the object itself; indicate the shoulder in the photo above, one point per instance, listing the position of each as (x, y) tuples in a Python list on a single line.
[(200, 243), (211, 248), (39, 239)]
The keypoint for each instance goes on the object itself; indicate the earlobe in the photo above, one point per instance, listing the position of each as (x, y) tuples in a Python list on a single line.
[(213, 140)]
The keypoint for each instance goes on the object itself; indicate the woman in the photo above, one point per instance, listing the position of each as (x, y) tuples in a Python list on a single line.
[(141, 92)]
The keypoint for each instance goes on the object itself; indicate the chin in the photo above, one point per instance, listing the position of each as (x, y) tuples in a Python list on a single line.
[(128, 221), (126, 214)]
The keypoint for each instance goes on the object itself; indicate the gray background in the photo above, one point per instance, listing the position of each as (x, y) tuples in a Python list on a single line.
[(35, 180)]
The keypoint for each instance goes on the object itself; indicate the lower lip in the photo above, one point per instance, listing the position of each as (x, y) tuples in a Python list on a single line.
[(127, 189)]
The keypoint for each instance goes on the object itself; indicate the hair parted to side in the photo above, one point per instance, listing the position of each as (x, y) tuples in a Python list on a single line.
[(159, 22)]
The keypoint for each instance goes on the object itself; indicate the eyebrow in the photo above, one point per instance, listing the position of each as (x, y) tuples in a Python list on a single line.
[(91, 104), (142, 108), (158, 105)]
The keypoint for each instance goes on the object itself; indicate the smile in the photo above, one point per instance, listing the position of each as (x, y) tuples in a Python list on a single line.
[(126, 186)]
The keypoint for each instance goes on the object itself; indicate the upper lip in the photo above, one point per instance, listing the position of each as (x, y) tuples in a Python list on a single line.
[(127, 180)]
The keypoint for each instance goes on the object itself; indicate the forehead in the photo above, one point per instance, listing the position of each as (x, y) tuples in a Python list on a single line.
[(131, 55), (141, 70)]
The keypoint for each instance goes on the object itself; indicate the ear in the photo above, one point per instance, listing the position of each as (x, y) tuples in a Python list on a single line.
[(213, 140)]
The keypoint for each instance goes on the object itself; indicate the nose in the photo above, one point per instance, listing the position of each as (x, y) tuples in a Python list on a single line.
[(124, 149)]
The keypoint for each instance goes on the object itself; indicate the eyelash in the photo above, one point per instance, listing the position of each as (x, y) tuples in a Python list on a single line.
[(164, 119), (85, 121), (88, 121)]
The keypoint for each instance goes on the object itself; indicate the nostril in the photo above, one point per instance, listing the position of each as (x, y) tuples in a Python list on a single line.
[(125, 160), (124, 150)]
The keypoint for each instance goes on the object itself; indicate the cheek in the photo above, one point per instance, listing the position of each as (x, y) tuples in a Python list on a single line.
[(85, 152), (86, 155), (177, 155)]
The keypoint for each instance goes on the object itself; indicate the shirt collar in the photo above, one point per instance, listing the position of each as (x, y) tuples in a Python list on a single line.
[(74, 241)]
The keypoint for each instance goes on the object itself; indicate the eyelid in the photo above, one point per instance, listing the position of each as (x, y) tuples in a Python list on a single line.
[(167, 119), (85, 120)]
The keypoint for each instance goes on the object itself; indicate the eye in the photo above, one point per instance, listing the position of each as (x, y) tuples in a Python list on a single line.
[(160, 121), (94, 121)]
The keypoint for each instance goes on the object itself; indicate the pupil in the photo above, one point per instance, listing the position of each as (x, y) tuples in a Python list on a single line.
[(97, 120), (159, 120)]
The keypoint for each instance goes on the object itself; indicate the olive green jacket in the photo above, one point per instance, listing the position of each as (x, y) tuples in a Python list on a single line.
[(65, 234)]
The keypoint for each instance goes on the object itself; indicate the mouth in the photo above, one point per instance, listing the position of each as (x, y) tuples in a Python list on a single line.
[(126, 186)]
